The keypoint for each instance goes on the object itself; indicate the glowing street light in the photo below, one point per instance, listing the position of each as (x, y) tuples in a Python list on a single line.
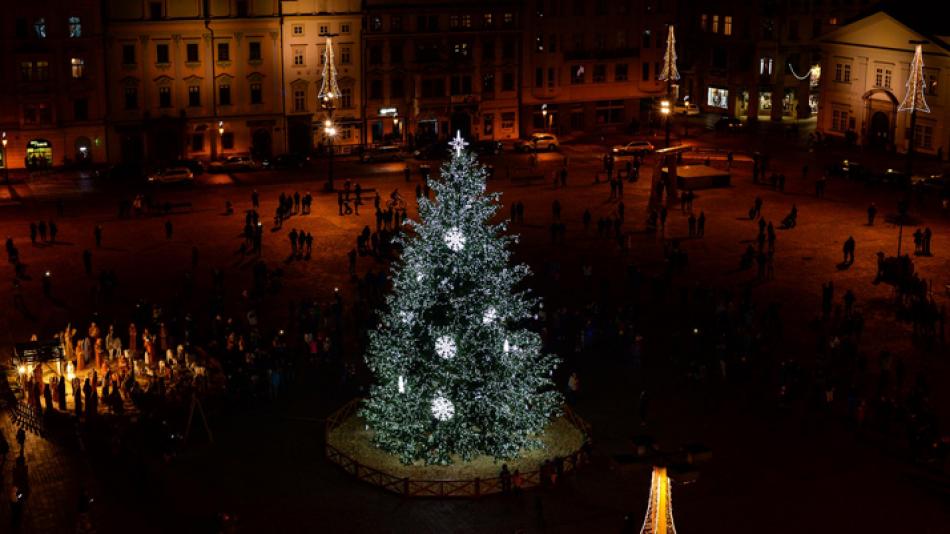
[(220, 127), (6, 164)]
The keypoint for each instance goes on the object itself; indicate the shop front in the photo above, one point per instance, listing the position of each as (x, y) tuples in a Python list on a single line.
[(39, 154)]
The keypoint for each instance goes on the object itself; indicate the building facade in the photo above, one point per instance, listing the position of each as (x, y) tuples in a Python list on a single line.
[(194, 79), (432, 68), (591, 65), (867, 65), (307, 24), (52, 108)]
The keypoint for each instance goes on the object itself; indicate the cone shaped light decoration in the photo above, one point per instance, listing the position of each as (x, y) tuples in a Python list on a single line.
[(328, 87), (659, 518), (914, 97), (669, 59)]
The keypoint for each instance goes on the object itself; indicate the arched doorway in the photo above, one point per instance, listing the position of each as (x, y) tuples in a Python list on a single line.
[(879, 132), (39, 154), (261, 144)]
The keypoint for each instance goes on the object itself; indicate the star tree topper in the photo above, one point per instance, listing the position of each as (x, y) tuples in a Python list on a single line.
[(458, 143)]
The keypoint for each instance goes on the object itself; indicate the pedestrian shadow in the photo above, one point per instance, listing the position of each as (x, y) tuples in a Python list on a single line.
[(845, 265)]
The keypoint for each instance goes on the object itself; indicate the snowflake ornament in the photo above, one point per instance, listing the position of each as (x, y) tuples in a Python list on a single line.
[(455, 240), (407, 316), (442, 408), (445, 347), (490, 315)]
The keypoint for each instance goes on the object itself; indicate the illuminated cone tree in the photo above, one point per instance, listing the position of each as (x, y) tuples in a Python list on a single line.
[(457, 372)]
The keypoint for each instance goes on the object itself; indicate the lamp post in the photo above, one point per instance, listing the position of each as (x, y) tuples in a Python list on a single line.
[(665, 110), (6, 163), (669, 73), (329, 92), (221, 136)]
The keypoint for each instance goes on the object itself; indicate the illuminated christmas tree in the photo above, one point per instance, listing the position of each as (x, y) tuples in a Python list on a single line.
[(669, 72), (659, 518), (457, 371), (914, 97)]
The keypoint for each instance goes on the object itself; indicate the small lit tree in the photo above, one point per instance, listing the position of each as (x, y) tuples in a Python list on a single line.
[(457, 372)]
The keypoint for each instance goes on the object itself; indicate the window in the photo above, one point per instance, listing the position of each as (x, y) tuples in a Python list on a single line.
[(344, 55), (727, 25), (395, 53), (78, 67), (396, 88), (621, 39), (42, 71), (344, 28), (765, 66), (577, 74), (509, 19), (551, 77), (75, 27), (839, 120), (460, 85), (300, 100), (194, 96), (487, 20), (376, 23), (839, 69), (646, 71), (256, 93), (508, 49), (191, 53), (715, 24), (646, 39), (847, 73), (39, 28), (395, 23), (128, 54), (539, 42), (346, 97), (923, 136), (508, 120), (22, 28), (254, 51), (488, 123), (460, 50), (376, 89), (375, 54), (224, 95), (538, 77), (81, 109), (600, 73), (453, 22), (165, 97), (224, 52), (508, 81), (620, 72), (197, 142), (241, 6), (600, 41), (488, 83), (878, 77), (324, 29), (466, 21), (161, 54), (131, 98), (26, 70), (887, 78), (297, 30), (298, 56), (609, 111), (227, 140), (578, 40), (702, 22), (154, 10)]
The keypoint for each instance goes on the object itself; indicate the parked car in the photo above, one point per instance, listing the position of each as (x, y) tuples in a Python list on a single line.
[(936, 183), (172, 175), (685, 107), (383, 153), (633, 148), (847, 168), (197, 167), (285, 161), (487, 148), (536, 142), (129, 171), (728, 124), (239, 163), (433, 151), (889, 176)]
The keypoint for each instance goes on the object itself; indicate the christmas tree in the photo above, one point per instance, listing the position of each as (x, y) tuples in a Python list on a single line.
[(457, 371)]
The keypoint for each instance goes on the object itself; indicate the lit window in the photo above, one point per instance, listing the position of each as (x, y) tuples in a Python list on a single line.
[(78, 66), (194, 96), (487, 20), (702, 22), (765, 66), (300, 100), (75, 27), (715, 24), (727, 25), (40, 28), (466, 21), (509, 18)]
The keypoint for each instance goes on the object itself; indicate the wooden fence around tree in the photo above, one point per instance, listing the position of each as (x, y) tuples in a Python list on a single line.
[(475, 487)]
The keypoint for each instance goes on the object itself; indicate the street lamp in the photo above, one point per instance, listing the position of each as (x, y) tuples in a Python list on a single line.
[(6, 163), (665, 111), (221, 135), (329, 92)]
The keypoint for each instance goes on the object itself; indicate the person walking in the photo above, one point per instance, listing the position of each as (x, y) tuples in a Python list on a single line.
[(691, 222), (849, 247), (53, 230), (872, 213), (97, 232), (21, 440), (33, 233)]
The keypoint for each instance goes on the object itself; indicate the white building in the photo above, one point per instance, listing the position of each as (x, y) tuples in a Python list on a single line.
[(865, 67)]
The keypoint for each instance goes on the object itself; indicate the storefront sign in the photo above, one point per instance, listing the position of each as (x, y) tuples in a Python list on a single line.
[(38, 143), (389, 111)]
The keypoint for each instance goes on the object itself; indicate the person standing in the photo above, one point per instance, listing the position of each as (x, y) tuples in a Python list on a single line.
[(53, 230), (872, 213), (701, 224)]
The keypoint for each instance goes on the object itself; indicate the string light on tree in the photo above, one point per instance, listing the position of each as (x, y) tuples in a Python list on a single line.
[(401, 384), (914, 97), (465, 398), (669, 72)]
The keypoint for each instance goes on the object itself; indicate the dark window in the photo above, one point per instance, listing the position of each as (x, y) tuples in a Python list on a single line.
[(241, 8), (646, 71), (433, 88), (600, 73), (254, 51), (620, 72), (488, 83), (224, 95), (421, 23), (194, 96), (601, 8), (81, 109), (161, 53), (577, 74), (375, 54), (551, 77), (164, 97), (227, 140), (461, 85), (508, 49), (395, 53), (376, 89), (154, 10), (131, 98), (128, 54), (396, 88), (191, 52), (256, 95), (646, 39), (395, 23), (197, 142), (538, 77), (224, 52), (508, 81)]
